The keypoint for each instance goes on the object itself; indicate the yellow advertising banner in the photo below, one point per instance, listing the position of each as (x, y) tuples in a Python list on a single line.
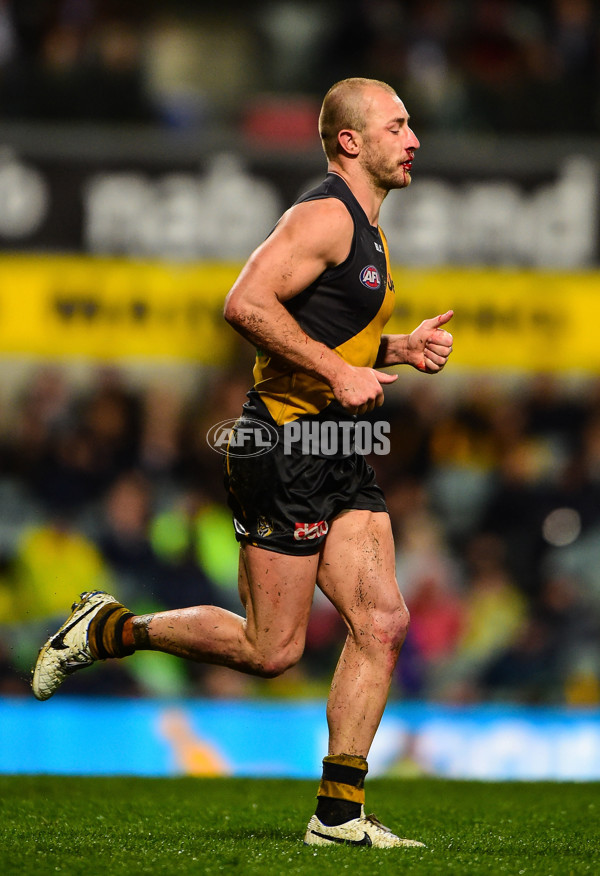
[(507, 319), (114, 309)]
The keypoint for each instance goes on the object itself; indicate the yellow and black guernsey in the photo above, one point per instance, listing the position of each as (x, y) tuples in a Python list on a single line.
[(345, 308), (284, 494)]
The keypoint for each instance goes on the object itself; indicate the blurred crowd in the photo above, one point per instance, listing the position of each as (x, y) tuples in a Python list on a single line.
[(493, 489), (493, 486), (519, 66)]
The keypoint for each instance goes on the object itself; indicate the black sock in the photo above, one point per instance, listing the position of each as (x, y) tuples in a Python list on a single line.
[(331, 811), (105, 635), (341, 793)]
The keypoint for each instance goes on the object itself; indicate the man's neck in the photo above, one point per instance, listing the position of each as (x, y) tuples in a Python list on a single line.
[(369, 198)]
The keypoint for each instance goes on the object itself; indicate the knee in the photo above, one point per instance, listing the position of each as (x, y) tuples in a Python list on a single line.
[(271, 663), (391, 626), (403, 624)]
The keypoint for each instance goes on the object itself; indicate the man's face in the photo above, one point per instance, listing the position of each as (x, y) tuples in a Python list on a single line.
[(388, 142)]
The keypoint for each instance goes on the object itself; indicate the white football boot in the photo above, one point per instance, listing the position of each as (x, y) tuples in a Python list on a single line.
[(366, 830), (67, 650)]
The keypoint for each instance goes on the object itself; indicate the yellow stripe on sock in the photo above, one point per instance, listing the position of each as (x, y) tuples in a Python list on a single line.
[(349, 760), (341, 792), (103, 638)]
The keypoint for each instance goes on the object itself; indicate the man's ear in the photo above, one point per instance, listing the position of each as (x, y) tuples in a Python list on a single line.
[(349, 141)]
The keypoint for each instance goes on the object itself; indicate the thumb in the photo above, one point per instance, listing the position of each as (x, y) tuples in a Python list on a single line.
[(443, 318), (382, 377)]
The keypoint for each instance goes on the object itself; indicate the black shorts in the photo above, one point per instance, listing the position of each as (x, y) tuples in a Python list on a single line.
[(285, 502)]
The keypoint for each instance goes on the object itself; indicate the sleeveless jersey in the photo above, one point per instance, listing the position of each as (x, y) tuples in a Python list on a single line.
[(345, 308)]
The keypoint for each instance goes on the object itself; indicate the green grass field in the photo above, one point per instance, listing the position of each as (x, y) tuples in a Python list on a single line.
[(128, 826)]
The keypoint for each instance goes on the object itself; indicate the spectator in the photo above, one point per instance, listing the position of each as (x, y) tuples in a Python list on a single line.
[(501, 583)]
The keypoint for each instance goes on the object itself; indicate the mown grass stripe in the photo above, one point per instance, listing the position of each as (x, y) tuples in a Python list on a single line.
[(128, 826)]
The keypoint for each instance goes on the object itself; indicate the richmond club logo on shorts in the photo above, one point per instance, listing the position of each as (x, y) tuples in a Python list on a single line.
[(370, 278), (310, 530)]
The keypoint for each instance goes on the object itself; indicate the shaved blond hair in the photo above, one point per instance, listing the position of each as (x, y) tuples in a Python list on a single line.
[(344, 108)]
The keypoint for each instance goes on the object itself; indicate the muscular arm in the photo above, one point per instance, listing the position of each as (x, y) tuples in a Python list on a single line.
[(310, 238), (427, 348)]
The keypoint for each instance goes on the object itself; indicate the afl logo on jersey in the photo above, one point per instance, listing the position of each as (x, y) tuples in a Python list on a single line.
[(370, 278)]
